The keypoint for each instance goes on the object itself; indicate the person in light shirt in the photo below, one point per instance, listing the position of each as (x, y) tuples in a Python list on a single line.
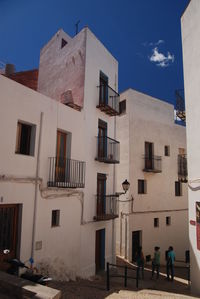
[(156, 262)]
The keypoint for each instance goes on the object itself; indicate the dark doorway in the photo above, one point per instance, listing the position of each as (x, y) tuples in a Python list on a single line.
[(136, 242), (100, 250), (9, 224)]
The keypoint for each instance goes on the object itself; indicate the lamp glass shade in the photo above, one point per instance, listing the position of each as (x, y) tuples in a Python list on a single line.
[(125, 186)]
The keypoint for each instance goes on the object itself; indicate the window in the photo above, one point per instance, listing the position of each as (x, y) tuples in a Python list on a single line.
[(25, 142), (63, 43), (55, 218), (178, 188), (122, 107), (168, 220), (167, 150), (142, 186), (156, 222)]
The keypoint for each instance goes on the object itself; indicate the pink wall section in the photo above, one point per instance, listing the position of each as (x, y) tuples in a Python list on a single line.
[(62, 71)]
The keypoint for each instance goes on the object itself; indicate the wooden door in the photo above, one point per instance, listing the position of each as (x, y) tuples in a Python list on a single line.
[(148, 155), (101, 194), (103, 89), (61, 156), (9, 214), (102, 139)]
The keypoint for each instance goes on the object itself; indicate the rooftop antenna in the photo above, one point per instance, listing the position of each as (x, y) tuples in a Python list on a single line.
[(77, 26)]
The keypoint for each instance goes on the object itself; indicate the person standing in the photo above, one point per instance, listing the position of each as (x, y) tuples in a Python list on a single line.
[(156, 262), (170, 263), (140, 262)]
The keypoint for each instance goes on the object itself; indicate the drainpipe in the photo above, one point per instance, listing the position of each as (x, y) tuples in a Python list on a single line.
[(114, 177), (126, 237), (120, 248), (36, 186)]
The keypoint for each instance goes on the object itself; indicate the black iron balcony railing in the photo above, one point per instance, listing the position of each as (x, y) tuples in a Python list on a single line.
[(108, 100), (66, 173), (182, 168), (108, 150), (153, 164), (107, 207)]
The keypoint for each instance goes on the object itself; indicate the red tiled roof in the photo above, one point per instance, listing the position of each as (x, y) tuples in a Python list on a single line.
[(27, 78)]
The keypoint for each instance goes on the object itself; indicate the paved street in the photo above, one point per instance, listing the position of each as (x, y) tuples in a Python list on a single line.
[(96, 287)]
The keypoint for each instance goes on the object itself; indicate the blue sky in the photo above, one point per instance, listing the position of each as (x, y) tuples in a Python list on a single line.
[(143, 35)]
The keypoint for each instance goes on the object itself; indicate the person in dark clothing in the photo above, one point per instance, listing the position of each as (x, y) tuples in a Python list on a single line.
[(170, 263), (140, 261)]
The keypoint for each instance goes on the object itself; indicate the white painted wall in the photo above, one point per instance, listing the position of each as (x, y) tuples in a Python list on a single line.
[(149, 119), (190, 22), (97, 59), (68, 250)]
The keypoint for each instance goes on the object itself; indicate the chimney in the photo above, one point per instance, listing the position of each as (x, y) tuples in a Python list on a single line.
[(9, 69)]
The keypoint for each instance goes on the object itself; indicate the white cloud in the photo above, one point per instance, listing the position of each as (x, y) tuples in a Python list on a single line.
[(160, 59), (160, 41), (153, 44)]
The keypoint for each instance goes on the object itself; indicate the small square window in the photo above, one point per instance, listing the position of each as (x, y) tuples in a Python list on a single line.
[(25, 141), (142, 187), (168, 220), (178, 189), (167, 150), (63, 43), (55, 218), (122, 107), (156, 222)]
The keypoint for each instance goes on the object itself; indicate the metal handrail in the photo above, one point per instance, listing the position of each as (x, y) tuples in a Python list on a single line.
[(66, 173)]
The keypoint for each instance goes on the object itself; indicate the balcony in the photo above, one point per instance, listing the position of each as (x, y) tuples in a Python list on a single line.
[(153, 164), (182, 168), (108, 150), (107, 207), (180, 104), (66, 173), (108, 100)]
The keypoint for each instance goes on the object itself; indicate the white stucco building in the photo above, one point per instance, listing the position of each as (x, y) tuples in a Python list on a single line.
[(58, 156), (153, 159), (190, 23)]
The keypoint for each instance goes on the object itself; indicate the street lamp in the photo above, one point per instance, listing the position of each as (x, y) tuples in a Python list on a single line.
[(125, 186)]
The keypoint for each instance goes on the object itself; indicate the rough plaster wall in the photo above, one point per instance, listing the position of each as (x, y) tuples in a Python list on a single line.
[(151, 120), (63, 69), (98, 59), (190, 24), (60, 245), (175, 235), (60, 253)]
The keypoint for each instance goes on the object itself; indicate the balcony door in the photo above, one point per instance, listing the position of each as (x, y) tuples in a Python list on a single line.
[(102, 139), (61, 149), (101, 194), (149, 152), (103, 96)]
